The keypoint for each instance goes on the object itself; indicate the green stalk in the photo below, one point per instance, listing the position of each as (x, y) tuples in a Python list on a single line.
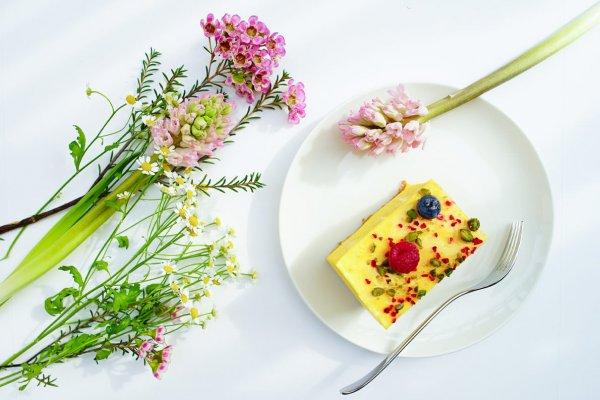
[(553, 43), (52, 252)]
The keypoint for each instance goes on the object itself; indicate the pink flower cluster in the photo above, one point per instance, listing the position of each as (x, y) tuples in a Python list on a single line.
[(194, 128), (252, 50), (156, 352), (295, 99), (380, 127)]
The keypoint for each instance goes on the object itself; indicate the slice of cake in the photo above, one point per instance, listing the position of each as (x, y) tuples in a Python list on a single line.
[(404, 249)]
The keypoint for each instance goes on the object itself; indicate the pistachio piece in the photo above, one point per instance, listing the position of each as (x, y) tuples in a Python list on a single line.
[(399, 307), (412, 214), (466, 235), (372, 247), (434, 262), (391, 292), (377, 291), (473, 224), (412, 236), (419, 242), (421, 293), (424, 191), (448, 271)]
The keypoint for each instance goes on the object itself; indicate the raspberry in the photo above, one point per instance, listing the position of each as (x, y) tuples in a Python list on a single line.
[(404, 257)]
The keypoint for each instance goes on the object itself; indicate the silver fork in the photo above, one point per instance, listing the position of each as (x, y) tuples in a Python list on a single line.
[(505, 264)]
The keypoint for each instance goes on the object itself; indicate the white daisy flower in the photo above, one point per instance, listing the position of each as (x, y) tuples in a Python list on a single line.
[(181, 209), (184, 297), (176, 179), (147, 166), (193, 310), (169, 268), (193, 222), (164, 151), (132, 100), (166, 189), (149, 120)]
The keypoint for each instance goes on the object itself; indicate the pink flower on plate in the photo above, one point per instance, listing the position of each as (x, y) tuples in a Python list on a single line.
[(210, 25), (380, 127), (145, 348), (295, 98)]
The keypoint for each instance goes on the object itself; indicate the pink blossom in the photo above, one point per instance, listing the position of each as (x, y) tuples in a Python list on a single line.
[(230, 23), (276, 46), (383, 127), (254, 31), (295, 99), (159, 334), (145, 348), (211, 26), (197, 127), (160, 370)]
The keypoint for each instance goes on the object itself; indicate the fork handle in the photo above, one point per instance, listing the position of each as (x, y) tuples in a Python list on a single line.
[(364, 381)]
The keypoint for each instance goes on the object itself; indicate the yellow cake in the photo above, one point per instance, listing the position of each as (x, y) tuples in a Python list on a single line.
[(404, 249)]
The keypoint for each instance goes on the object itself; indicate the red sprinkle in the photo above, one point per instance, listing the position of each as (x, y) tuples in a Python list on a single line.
[(451, 217), (440, 217), (445, 260), (416, 223), (477, 241), (423, 226), (453, 224), (434, 248), (435, 234), (374, 263), (393, 320), (400, 225), (424, 275), (448, 203), (450, 240), (374, 235), (368, 282)]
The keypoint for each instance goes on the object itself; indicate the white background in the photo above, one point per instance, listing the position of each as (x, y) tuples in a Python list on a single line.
[(266, 343)]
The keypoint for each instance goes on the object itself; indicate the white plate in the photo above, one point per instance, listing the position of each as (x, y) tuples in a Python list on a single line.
[(480, 157)]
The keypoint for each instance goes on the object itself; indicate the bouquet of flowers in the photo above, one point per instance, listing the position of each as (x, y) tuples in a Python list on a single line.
[(151, 189)]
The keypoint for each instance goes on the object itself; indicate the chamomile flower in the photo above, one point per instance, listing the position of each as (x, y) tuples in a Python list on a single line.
[(88, 90), (181, 209), (174, 285), (132, 100), (190, 233), (147, 166), (206, 293), (164, 151), (169, 268), (193, 222), (232, 269), (231, 232), (123, 195), (253, 275), (184, 297), (166, 189), (206, 280), (176, 179), (190, 191), (217, 221), (149, 120), (194, 310)]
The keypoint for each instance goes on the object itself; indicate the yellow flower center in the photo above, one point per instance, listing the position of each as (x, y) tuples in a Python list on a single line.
[(168, 269), (182, 213), (193, 220), (184, 297), (180, 180), (174, 286), (130, 99), (165, 151), (194, 313), (206, 280), (146, 166)]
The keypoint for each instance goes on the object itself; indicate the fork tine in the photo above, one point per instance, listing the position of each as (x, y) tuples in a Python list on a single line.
[(510, 242), (512, 247)]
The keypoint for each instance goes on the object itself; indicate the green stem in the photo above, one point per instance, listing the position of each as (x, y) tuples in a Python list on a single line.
[(553, 43)]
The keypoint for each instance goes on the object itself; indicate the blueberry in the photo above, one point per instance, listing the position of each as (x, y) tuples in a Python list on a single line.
[(428, 207)]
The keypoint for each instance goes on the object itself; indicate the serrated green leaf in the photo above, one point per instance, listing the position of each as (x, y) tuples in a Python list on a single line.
[(123, 241), (74, 273), (55, 304), (102, 354), (77, 147)]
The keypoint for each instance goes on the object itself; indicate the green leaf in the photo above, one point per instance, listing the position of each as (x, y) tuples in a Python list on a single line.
[(123, 241), (100, 265), (78, 343), (111, 146), (77, 147), (55, 304), (102, 354), (126, 296), (74, 273), (116, 327)]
